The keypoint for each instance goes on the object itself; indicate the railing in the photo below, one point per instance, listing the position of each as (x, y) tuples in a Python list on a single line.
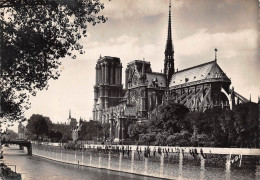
[(163, 161)]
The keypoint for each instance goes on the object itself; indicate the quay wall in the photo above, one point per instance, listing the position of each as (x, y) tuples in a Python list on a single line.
[(205, 150), (171, 163)]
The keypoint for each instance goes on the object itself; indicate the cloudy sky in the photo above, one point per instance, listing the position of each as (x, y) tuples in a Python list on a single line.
[(137, 29)]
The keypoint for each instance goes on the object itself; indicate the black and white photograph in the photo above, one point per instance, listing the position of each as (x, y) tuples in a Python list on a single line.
[(129, 89)]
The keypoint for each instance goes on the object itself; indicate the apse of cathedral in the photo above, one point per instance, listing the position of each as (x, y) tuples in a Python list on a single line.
[(198, 88)]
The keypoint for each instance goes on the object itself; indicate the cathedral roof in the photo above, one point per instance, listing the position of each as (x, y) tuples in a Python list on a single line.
[(206, 71), (151, 78)]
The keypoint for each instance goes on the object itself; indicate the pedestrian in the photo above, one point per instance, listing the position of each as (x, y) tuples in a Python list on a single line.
[(145, 152), (148, 152), (159, 151), (128, 151)]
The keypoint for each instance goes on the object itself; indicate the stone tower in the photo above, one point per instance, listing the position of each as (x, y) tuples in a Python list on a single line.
[(108, 87), (169, 53)]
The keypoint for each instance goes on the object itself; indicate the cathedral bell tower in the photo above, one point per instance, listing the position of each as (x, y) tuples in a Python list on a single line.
[(169, 53), (108, 87)]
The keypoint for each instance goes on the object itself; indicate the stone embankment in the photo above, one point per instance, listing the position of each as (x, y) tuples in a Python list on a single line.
[(163, 162)]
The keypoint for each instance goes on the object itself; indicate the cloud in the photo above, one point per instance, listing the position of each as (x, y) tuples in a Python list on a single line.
[(137, 29), (230, 43), (216, 16), (125, 9)]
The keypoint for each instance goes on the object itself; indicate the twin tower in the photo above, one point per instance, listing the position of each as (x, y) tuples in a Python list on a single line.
[(144, 89)]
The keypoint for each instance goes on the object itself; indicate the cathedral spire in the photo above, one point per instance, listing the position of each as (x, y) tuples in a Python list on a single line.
[(169, 59), (169, 37), (70, 114)]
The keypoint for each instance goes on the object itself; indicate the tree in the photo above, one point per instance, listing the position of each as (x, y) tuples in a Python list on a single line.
[(34, 36), (161, 138), (136, 129), (73, 123), (179, 139), (91, 130), (105, 130), (169, 118), (147, 139), (229, 134), (11, 134), (37, 126), (246, 124), (192, 121)]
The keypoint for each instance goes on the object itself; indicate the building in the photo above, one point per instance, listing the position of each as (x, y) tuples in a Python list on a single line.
[(72, 122), (199, 88), (21, 131)]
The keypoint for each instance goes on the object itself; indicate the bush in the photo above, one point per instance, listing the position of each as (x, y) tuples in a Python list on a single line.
[(201, 140), (146, 139), (179, 139)]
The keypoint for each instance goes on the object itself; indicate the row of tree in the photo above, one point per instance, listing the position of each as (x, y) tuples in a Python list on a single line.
[(174, 125), (42, 128), (93, 130)]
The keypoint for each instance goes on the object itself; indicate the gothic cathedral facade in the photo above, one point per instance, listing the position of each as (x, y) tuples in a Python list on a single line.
[(198, 88)]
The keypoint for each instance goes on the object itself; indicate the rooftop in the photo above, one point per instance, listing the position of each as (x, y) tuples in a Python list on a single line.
[(209, 70)]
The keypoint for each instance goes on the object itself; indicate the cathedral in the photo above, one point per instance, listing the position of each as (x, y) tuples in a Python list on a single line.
[(198, 88)]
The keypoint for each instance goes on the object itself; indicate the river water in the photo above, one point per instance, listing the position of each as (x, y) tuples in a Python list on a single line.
[(35, 168)]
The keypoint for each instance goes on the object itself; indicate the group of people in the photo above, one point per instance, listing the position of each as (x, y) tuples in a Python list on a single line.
[(147, 152)]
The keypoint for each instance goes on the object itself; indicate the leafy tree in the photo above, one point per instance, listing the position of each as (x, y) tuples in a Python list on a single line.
[(246, 124), (64, 129), (34, 36), (179, 139), (201, 140), (91, 130), (51, 134), (37, 126), (147, 139), (11, 134), (136, 129), (58, 136), (161, 138), (49, 122), (169, 118), (55, 136), (192, 121), (227, 122), (73, 123), (105, 130)]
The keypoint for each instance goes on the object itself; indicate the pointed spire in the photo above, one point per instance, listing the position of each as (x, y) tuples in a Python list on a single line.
[(169, 52), (216, 50), (250, 98), (70, 114), (169, 46), (100, 57)]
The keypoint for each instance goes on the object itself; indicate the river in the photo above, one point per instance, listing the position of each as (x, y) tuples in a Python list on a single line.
[(35, 168)]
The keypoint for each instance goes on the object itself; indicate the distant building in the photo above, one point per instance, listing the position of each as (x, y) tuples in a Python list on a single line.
[(21, 131), (72, 121), (76, 131)]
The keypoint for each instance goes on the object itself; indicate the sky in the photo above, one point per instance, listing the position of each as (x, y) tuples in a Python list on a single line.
[(137, 29)]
